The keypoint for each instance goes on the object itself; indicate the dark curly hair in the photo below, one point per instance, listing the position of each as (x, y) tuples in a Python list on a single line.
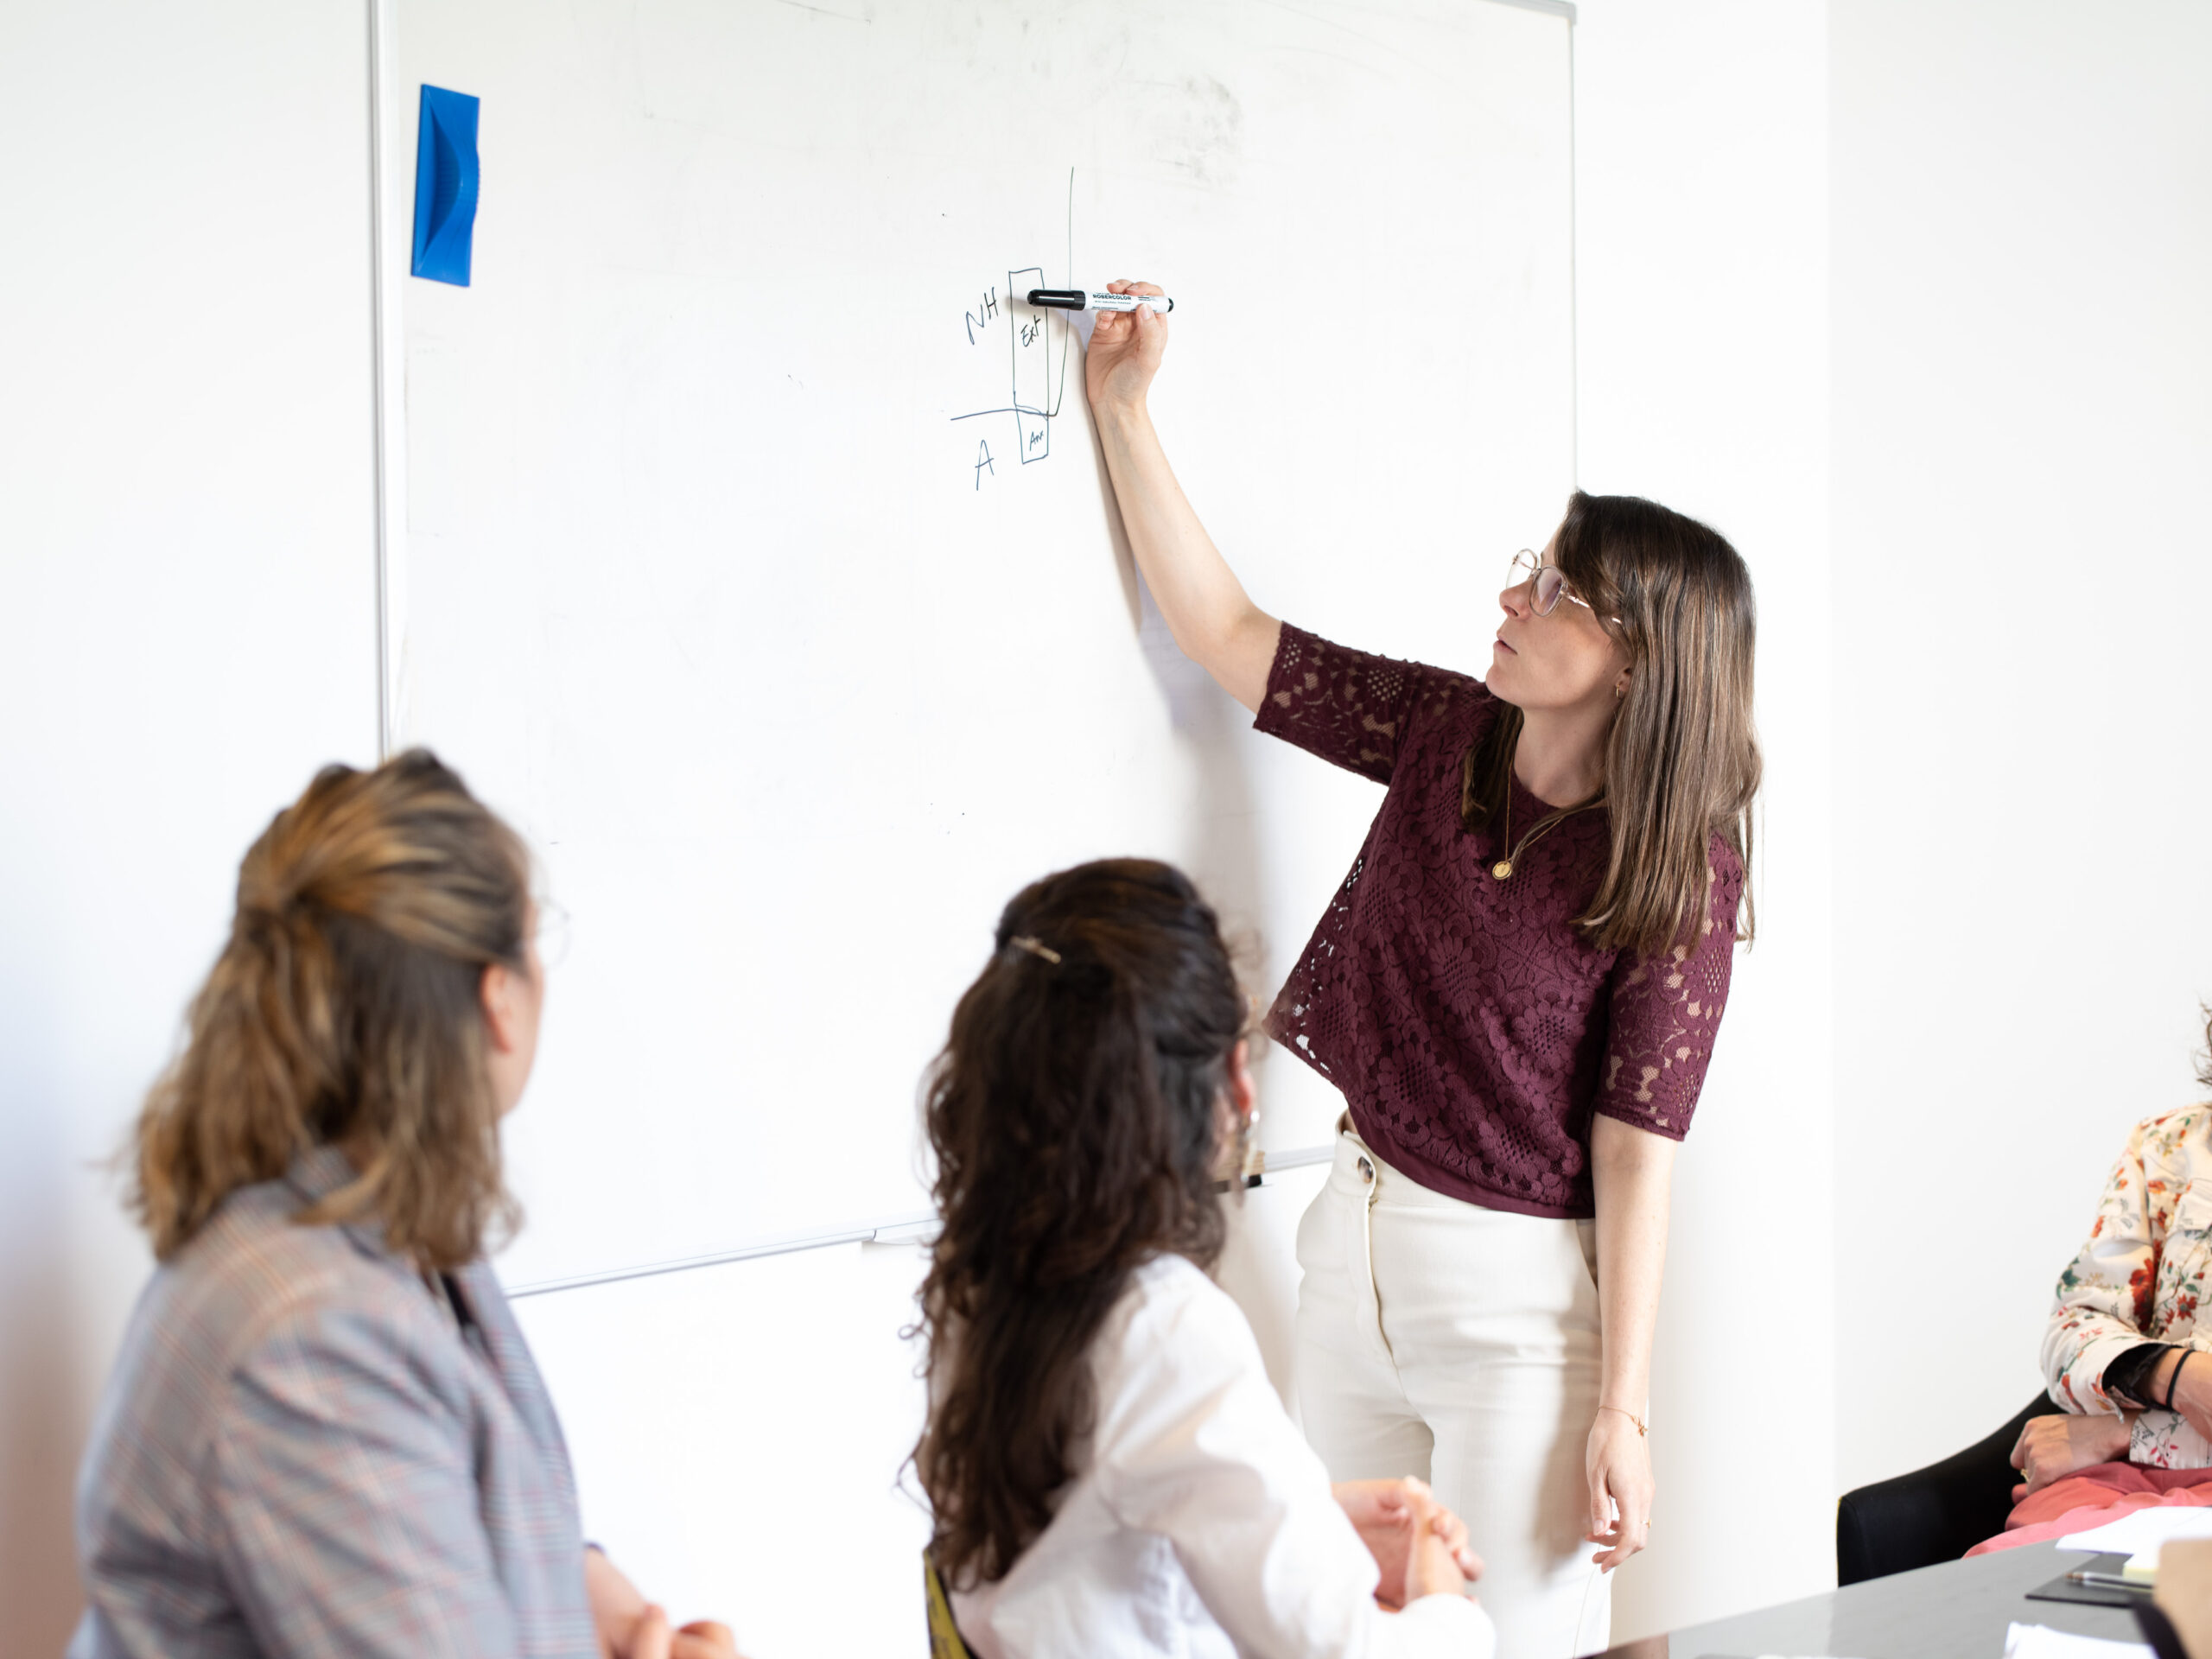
[(1075, 1116)]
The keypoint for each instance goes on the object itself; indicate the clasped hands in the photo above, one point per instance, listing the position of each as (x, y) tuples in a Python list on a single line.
[(1420, 1546)]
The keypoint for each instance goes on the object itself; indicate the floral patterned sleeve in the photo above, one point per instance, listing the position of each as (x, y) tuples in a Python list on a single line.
[(2138, 1278)]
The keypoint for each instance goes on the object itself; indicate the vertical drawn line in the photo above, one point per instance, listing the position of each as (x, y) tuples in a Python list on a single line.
[(1060, 392)]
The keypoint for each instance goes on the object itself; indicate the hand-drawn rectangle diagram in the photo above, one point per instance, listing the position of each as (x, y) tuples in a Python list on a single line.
[(1037, 369), (1032, 345)]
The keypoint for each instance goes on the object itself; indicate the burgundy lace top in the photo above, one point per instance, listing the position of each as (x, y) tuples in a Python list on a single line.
[(1472, 1030)]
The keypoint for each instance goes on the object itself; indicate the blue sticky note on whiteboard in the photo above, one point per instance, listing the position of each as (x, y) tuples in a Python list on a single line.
[(445, 186)]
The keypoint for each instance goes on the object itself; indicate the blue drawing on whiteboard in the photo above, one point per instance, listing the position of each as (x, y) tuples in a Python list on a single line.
[(1037, 377), (445, 186), (982, 315)]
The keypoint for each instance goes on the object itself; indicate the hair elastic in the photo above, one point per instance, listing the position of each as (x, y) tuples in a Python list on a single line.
[(2173, 1379)]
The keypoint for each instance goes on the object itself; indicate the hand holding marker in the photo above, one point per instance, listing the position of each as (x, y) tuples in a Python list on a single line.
[(1123, 350), (1076, 299)]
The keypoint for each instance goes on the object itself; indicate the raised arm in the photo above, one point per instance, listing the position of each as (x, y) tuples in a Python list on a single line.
[(1214, 621)]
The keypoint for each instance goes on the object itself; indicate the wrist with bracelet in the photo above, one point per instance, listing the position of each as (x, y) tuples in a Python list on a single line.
[(1640, 1429)]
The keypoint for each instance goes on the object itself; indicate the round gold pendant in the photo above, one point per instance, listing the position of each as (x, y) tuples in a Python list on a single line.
[(1503, 868)]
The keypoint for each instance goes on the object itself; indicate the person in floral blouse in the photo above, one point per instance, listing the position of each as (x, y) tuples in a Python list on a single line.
[(2123, 1354)]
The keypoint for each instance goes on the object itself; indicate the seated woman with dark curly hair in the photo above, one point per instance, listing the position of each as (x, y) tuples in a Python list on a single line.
[(1109, 1469)]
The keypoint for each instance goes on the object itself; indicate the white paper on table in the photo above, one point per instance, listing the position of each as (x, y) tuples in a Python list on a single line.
[(2143, 1529), (2041, 1641)]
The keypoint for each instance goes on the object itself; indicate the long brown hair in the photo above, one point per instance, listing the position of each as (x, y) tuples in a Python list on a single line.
[(1682, 759), (1074, 1113), (345, 1010)]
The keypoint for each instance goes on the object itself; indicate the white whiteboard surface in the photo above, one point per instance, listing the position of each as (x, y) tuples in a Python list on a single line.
[(793, 674)]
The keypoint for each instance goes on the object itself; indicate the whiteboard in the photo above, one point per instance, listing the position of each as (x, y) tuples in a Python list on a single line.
[(758, 561)]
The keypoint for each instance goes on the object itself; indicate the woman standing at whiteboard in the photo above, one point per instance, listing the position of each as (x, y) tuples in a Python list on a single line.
[(1516, 988)]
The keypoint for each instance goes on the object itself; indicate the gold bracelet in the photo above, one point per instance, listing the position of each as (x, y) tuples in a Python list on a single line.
[(1632, 1417)]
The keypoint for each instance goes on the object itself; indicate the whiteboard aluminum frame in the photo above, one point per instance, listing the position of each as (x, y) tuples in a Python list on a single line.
[(898, 1230), (388, 415)]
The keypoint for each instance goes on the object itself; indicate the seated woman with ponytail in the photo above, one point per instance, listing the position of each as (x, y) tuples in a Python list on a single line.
[(325, 1433), (1109, 1469)]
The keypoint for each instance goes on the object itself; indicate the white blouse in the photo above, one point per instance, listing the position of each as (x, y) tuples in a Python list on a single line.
[(1198, 1522)]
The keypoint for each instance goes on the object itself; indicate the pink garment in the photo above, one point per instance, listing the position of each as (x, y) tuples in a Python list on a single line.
[(2090, 1498), (1471, 1026)]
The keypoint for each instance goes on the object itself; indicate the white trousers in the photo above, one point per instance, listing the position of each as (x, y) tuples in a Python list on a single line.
[(1461, 1344)]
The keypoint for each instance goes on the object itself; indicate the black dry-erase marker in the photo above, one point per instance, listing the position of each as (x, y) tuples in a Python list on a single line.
[(1076, 299)]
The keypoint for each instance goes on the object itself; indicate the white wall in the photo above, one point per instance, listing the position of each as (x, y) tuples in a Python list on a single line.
[(2023, 228), (1700, 135), (187, 625)]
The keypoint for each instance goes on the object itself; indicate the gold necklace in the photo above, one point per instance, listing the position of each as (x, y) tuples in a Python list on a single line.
[(1503, 870)]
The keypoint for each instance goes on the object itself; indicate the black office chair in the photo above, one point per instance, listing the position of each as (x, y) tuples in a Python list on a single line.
[(1935, 1514)]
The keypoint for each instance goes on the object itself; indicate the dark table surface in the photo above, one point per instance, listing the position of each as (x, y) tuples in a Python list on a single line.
[(1956, 1610)]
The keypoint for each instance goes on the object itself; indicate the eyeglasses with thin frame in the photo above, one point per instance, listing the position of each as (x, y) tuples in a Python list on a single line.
[(1547, 584)]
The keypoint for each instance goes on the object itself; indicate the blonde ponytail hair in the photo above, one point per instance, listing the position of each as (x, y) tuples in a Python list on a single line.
[(345, 1010)]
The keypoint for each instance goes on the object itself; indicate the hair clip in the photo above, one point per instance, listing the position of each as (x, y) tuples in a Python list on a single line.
[(1035, 948)]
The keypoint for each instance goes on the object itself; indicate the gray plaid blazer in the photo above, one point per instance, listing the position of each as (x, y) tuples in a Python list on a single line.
[(303, 1451)]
